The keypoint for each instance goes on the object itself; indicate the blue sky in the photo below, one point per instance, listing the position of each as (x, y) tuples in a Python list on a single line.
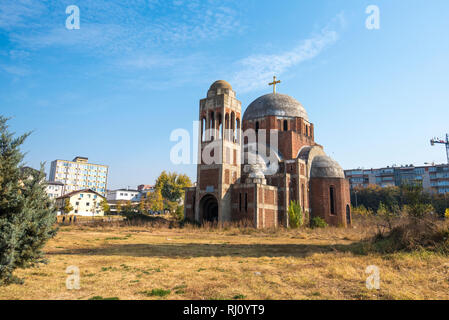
[(116, 88)]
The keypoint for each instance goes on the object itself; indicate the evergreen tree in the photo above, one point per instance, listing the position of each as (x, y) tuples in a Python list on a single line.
[(27, 216)]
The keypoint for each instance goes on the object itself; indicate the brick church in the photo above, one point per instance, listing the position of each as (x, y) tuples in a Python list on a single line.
[(261, 162)]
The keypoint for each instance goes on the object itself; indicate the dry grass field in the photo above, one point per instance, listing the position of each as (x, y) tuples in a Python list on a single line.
[(191, 263)]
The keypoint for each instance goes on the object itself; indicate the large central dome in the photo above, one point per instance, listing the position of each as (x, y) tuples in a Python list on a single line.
[(280, 105)]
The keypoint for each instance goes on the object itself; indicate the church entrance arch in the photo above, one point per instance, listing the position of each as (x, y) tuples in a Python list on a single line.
[(209, 208)]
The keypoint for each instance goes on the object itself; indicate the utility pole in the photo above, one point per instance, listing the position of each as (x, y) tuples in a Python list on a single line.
[(441, 141)]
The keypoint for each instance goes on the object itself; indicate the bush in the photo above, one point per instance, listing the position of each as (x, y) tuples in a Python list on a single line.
[(318, 222), (429, 234), (295, 216), (179, 213)]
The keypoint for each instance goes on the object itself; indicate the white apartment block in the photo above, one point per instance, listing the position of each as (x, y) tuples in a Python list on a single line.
[(79, 174), (54, 189), (123, 195), (84, 203)]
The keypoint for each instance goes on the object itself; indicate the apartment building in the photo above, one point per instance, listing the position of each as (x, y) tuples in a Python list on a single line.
[(433, 178), (123, 195), (54, 189), (84, 203), (79, 174)]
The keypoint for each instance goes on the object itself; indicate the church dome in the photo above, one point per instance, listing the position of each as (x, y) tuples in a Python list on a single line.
[(280, 105), (325, 167), (220, 84)]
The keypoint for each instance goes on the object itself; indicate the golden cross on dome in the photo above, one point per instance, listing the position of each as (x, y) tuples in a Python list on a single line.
[(274, 84)]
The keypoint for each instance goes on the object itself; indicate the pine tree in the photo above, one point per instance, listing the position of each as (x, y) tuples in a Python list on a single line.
[(27, 216)]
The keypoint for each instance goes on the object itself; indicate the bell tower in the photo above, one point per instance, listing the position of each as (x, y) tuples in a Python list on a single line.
[(218, 153)]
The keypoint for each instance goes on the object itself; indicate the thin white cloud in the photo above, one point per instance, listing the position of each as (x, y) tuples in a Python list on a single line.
[(255, 71), (18, 13), (113, 26), (15, 70)]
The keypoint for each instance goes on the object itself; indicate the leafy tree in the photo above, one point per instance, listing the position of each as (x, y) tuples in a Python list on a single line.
[(179, 213), (295, 216), (416, 202), (172, 185), (119, 207), (105, 206), (386, 215), (67, 208), (155, 200), (142, 206), (27, 216)]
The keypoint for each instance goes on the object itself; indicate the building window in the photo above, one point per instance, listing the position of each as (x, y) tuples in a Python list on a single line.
[(246, 202), (257, 126), (332, 199), (240, 201), (285, 125)]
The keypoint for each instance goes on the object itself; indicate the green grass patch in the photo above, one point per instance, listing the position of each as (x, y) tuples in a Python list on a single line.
[(101, 298), (156, 293)]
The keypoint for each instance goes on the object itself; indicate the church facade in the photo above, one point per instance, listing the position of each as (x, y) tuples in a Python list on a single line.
[(252, 166)]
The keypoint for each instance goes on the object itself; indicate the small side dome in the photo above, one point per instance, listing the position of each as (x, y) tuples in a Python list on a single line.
[(325, 167), (220, 84)]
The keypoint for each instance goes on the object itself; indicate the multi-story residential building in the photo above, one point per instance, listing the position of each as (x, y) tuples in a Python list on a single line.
[(54, 189), (84, 203), (439, 178), (79, 174), (433, 178)]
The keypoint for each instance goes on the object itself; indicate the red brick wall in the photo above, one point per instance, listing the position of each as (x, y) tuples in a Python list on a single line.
[(209, 177), (320, 199)]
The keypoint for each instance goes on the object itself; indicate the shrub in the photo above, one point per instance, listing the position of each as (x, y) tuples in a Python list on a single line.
[(446, 214), (318, 222), (295, 216), (425, 233)]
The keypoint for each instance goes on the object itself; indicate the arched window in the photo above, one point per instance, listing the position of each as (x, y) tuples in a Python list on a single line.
[(227, 127), (233, 125), (285, 125), (212, 125), (332, 199), (220, 127), (237, 132), (203, 129), (246, 202)]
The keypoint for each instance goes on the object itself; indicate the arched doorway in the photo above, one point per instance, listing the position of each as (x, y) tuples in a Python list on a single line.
[(209, 208), (348, 215)]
